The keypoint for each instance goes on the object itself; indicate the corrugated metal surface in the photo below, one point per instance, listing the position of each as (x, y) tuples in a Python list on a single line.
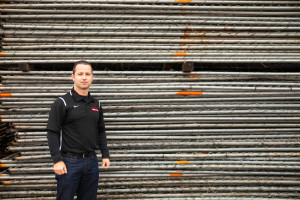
[(172, 135), (156, 31)]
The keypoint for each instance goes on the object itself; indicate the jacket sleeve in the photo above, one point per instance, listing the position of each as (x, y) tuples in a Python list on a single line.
[(102, 135), (54, 143), (54, 128)]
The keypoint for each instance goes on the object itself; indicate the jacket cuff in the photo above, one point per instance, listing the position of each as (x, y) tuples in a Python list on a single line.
[(57, 159), (105, 154)]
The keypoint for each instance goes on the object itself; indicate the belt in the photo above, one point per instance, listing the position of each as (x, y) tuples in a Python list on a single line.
[(82, 155)]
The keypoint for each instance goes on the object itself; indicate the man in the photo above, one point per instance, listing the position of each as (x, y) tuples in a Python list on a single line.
[(75, 130)]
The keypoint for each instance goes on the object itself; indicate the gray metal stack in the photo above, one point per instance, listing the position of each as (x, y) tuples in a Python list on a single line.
[(149, 31), (172, 135)]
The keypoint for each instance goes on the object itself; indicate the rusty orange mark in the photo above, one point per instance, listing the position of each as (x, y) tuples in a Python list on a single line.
[(183, 162), (5, 95), (191, 76), (6, 182), (180, 54), (187, 37), (186, 33), (175, 175), (2, 165), (2, 54), (1, 116), (189, 93), (183, 1)]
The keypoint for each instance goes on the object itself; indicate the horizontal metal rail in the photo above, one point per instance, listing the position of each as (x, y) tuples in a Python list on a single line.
[(152, 6), (147, 47), (178, 33), (164, 1), (174, 14)]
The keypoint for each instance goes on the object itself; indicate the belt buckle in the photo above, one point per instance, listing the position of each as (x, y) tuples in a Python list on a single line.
[(86, 155)]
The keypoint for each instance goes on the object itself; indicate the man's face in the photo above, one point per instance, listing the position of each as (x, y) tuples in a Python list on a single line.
[(83, 76)]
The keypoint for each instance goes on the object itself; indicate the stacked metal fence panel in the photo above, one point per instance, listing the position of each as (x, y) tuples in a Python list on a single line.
[(151, 31), (172, 135)]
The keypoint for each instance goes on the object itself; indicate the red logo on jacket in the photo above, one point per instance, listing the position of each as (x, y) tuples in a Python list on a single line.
[(95, 109)]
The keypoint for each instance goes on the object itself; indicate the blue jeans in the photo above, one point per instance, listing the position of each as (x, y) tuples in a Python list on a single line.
[(81, 178)]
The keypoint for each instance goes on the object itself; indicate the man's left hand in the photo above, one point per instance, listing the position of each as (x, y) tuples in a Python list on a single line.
[(105, 163)]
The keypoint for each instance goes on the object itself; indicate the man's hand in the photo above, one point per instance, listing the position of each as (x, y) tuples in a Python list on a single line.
[(60, 168), (105, 163)]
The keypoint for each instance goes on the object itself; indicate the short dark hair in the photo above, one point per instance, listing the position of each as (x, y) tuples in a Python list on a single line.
[(81, 62)]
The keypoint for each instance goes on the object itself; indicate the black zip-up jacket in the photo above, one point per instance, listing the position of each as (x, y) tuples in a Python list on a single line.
[(76, 125)]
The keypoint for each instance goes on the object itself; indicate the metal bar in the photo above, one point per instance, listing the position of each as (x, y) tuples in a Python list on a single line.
[(144, 46), (143, 27), (172, 18), (152, 6), (205, 12), (245, 60), (199, 20), (178, 33), (166, 1), (159, 54)]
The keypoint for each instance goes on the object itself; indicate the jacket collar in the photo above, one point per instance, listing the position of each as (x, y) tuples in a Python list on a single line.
[(78, 97)]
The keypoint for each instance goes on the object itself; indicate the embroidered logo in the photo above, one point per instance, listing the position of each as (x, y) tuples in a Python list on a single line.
[(95, 109)]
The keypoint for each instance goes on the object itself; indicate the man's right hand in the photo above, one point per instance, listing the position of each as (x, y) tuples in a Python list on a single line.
[(60, 168)]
